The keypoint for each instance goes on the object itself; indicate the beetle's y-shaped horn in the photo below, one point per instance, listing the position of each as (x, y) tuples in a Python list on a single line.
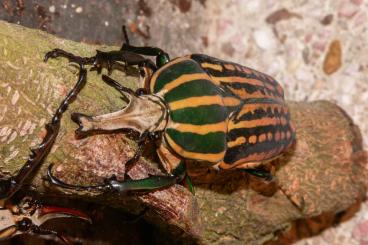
[(143, 113)]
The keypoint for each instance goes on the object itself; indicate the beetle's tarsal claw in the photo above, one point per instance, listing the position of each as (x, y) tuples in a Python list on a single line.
[(83, 121), (51, 54)]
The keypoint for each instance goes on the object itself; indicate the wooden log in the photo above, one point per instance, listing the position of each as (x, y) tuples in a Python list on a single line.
[(325, 172)]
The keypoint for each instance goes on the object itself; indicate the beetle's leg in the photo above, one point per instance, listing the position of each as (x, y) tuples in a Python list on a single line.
[(55, 53), (260, 173), (27, 226), (153, 182), (9, 186), (172, 162), (111, 58), (122, 89), (143, 140), (189, 183), (161, 56)]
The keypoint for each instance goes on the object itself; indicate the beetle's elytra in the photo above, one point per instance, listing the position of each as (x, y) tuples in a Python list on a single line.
[(198, 107), (222, 112)]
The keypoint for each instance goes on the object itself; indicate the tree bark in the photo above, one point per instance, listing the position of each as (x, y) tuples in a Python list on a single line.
[(324, 173)]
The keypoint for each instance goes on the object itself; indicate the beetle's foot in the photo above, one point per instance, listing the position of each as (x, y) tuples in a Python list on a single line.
[(81, 61)]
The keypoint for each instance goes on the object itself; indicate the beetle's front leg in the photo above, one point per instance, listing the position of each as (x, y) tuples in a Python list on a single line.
[(55, 53), (176, 170), (152, 182)]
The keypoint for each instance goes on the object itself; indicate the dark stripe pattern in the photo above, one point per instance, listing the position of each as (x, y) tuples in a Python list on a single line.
[(197, 113), (240, 71), (201, 126), (192, 142), (175, 71), (256, 143), (275, 138), (193, 88), (200, 115)]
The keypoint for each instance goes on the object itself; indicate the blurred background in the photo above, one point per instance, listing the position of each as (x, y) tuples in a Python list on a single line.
[(315, 49)]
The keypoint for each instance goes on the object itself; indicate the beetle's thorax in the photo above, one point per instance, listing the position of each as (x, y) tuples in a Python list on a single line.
[(143, 113)]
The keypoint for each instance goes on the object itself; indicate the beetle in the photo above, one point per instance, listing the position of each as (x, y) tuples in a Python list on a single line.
[(27, 215), (198, 107)]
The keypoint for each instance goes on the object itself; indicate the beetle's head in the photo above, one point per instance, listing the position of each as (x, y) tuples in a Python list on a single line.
[(142, 113)]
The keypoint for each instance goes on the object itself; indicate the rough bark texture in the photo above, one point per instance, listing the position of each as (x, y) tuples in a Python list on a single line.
[(325, 173)]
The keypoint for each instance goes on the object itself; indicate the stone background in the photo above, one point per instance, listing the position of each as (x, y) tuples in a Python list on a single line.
[(315, 49)]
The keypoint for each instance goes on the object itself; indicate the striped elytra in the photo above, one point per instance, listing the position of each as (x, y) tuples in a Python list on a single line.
[(222, 112)]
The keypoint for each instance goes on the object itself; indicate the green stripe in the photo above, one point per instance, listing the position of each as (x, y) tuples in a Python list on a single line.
[(174, 71), (200, 115), (193, 88), (209, 143)]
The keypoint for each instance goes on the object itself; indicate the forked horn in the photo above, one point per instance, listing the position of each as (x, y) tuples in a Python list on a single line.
[(143, 113)]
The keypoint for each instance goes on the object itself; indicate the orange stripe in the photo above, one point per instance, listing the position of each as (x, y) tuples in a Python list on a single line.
[(262, 137), (231, 101), (158, 72), (183, 79), (247, 70), (196, 101), (212, 66), (209, 157), (238, 141), (255, 123), (251, 107), (229, 67), (199, 129), (252, 139), (244, 165), (255, 159), (234, 79), (244, 95)]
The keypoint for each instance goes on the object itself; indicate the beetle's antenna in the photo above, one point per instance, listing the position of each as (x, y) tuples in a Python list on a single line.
[(125, 35)]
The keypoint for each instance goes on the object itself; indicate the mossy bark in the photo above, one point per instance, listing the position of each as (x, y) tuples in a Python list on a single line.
[(325, 172)]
